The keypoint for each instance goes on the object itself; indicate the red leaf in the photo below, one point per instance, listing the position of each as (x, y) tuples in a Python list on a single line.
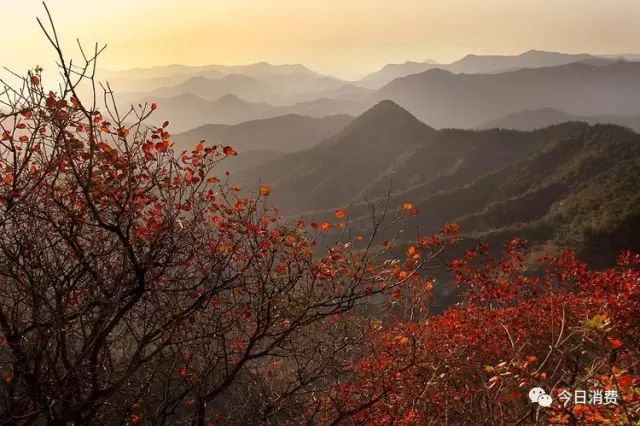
[(615, 342), (123, 132), (229, 151)]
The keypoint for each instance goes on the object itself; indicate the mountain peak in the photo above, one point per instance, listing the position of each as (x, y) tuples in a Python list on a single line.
[(231, 98), (387, 113), (531, 52), (385, 107)]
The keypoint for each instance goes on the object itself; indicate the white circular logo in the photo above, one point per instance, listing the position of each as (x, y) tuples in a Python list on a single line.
[(538, 395), (535, 393), (544, 400)]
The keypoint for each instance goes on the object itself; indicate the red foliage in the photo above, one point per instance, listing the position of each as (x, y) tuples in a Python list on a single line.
[(137, 287), (567, 328)]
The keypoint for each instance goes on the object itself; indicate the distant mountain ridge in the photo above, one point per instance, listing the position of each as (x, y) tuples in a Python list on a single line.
[(566, 185), (252, 70), (286, 133), (544, 117), (482, 64), (261, 82), (188, 111), (444, 99), (261, 141)]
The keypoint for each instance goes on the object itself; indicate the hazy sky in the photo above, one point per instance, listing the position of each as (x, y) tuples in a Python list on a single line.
[(343, 37)]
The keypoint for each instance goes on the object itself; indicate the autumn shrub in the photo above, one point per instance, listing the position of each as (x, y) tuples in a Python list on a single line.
[(569, 330), (139, 286)]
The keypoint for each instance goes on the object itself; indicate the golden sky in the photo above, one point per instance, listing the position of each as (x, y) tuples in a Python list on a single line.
[(342, 37)]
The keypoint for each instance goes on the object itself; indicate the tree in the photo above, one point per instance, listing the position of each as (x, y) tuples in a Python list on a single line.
[(138, 287), (568, 330)]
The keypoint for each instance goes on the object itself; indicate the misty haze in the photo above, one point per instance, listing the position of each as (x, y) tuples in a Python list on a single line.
[(418, 213)]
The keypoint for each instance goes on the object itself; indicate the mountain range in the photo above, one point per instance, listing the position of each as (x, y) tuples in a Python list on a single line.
[(167, 75), (188, 111), (537, 163), (444, 99), (566, 185), (481, 64), (544, 117), (584, 91), (260, 141)]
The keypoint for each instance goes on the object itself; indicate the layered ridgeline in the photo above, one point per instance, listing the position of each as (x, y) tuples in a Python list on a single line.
[(608, 91), (481, 64), (543, 117), (188, 111), (259, 141), (569, 185), (263, 79), (444, 99)]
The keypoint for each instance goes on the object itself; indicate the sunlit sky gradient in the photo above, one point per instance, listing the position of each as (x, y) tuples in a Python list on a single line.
[(347, 38)]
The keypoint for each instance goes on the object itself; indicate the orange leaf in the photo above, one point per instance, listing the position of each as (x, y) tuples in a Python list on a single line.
[(265, 190), (325, 226), (407, 206), (229, 151), (213, 179), (199, 147), (615, 343), (123, 132), (341, 214), (104, 147)]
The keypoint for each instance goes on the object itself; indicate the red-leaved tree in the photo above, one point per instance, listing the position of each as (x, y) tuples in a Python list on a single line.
[(138, 287), (565, 329)]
